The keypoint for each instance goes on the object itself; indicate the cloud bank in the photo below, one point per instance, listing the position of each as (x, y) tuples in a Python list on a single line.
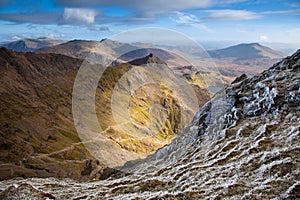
[(231, 15)]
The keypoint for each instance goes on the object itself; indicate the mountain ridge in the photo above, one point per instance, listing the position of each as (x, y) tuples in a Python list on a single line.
[(233, 61), (149, 59), (30, 44), (242, 144), (38, 135)]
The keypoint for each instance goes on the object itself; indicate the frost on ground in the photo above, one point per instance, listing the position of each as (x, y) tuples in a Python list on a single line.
[(243, 144)]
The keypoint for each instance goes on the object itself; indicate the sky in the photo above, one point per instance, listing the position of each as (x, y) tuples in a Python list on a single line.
[(275, 21)]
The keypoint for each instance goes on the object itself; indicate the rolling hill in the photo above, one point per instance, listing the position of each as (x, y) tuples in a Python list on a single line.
[(249, 51), (29, 45), (247, 59), (73, 48)]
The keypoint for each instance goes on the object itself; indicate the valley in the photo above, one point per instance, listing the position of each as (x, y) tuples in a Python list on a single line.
[(243, 143)]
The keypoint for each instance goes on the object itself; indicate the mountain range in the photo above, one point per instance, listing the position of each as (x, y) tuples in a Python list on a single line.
[(232, 61), (242, 144), (148, 138), (30, 79), (29, 44), (38, 134)]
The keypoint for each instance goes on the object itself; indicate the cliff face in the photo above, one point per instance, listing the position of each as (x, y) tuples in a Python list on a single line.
[(242, 144)]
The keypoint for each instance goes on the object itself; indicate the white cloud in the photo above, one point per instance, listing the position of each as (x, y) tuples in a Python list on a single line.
[(231, 15), (101, 28), (283, 12), (148, 8), (263, 38), (190, 20), (185, 19), (141, 12), (79, 16), (141, 6)]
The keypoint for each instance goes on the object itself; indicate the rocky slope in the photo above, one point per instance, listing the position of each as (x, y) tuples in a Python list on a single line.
[(242, 144)]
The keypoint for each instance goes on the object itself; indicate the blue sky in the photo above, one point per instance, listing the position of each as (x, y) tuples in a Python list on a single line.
[(202, 20)]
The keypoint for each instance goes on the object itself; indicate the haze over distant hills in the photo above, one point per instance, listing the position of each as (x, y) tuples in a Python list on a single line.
[(249, 58), (79, 48), (232, 61)]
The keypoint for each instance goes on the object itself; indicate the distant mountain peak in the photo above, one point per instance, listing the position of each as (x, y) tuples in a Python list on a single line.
[(31, 44), (246, 51), (149, 59), (107, 41), (252, 44)]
